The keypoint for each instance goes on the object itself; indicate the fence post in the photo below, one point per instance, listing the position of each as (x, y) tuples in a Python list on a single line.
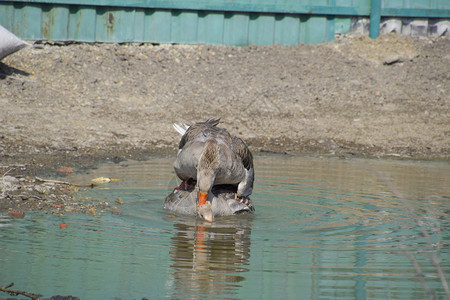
[(375, 16)]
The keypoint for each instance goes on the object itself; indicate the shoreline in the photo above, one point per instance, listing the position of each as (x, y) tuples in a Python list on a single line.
[(79, 104)]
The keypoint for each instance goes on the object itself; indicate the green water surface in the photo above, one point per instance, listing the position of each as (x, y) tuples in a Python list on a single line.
[(324, 228)]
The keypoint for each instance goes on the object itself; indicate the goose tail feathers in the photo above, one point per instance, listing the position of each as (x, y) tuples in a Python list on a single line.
[(181, 129)]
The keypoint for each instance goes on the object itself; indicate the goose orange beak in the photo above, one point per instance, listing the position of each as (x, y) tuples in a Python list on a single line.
[(204, 207), (202, 197)]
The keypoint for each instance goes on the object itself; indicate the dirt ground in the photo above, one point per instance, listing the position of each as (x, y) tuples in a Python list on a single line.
[(76, 104)]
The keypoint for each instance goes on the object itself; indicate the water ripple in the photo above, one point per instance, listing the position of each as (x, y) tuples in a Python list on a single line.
[(323, 228)]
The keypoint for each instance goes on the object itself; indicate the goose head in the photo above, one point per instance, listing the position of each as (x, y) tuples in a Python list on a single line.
[(205, 211), (206, 174)]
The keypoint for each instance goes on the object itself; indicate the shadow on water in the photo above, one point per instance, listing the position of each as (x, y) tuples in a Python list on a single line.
[(207, 259)]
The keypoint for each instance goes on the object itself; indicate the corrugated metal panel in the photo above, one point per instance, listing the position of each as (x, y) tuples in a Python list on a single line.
[(358, 7), (184, 26), (287, 29), (6, 15), (235, 29), (231, 22), (55, 22), (30, 20), (81, 23), (158, 26), (209, 24)]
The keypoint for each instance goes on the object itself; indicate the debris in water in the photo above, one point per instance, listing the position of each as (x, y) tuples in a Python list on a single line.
[(101, 180), (65, 170), (16, 214), (119, 201)]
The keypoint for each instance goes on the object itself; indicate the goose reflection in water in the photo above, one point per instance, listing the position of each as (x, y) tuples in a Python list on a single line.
[(208, 259)]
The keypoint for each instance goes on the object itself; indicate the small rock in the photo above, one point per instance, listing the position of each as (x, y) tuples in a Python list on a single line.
[(9, 183), (42, 189), (392, 25), (392, 59)]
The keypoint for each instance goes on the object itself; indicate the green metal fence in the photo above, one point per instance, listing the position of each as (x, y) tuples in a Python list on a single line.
[(230, 22)]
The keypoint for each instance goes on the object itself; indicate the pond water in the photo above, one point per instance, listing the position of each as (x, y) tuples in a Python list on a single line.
[(324, 228)]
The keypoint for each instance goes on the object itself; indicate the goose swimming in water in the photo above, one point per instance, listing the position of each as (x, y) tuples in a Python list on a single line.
[(222, 202), (209, 156)]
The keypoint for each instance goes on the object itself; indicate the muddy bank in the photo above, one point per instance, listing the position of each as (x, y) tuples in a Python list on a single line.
[(71, 105), (19, 194)]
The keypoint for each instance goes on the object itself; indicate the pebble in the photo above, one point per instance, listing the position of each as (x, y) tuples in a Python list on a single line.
[(42, 189), (9, 183)]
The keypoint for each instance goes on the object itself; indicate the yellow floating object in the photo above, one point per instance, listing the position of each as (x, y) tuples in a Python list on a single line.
[(101, 180)]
